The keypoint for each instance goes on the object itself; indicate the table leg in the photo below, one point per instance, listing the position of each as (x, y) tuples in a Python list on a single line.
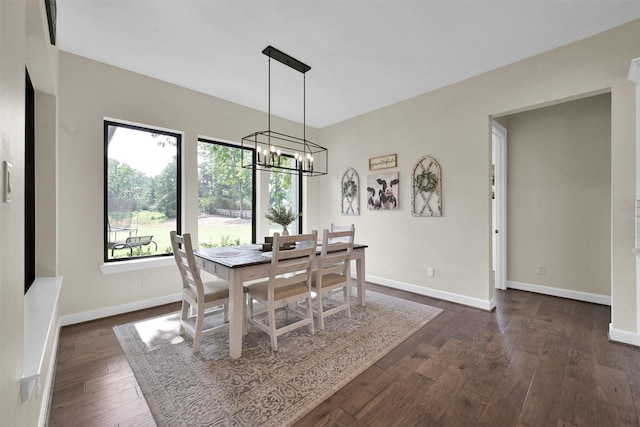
[(353, 288), (236, 315), (360, 271)]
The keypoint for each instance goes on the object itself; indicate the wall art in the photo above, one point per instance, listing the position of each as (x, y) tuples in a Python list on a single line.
[(350, 193), (382, 191), (426, 179), (383, 162)]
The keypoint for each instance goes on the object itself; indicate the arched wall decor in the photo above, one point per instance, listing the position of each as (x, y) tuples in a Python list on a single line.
[(426, 179), (350, 192)]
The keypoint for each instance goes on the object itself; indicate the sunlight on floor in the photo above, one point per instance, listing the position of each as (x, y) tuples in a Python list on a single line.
[(155, 331)]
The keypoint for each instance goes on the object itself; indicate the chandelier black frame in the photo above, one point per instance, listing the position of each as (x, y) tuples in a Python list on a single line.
[(280, 152)]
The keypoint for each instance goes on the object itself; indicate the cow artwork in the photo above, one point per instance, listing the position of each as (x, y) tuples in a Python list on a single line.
[(382, 191)]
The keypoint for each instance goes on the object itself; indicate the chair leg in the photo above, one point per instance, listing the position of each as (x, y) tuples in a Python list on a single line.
[(310, 312), (272, 329), (245, 315), (199, 327), (320, 309), (346, 300), (184, 315)]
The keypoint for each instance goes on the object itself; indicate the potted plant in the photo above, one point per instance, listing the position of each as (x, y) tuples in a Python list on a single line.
[(282, 216)]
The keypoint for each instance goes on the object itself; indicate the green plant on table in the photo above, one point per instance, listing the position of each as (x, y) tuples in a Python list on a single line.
[(282, 216)]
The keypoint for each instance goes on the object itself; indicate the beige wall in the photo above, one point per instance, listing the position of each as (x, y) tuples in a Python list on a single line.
[(559, 192), (12, 50), (453, 125), (89, 92), (24, 40)]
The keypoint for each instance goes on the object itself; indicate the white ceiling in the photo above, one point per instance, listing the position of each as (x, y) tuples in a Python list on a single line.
[(363, 54)]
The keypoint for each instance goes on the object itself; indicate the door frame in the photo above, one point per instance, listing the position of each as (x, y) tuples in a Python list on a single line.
[(499, 250)]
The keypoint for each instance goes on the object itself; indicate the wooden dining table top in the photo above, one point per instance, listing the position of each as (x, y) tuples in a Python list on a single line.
[(244, 255)]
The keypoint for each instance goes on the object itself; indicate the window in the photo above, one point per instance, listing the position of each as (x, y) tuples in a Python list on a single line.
[(142, 190), (226, 195), (285, 190), (29, 185)]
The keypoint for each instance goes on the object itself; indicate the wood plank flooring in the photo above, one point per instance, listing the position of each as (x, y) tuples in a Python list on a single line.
[(535, 361)]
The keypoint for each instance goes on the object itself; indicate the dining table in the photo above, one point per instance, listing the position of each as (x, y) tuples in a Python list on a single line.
[(244, 263)]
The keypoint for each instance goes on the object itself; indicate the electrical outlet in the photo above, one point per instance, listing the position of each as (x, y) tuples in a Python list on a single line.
[(541, 269), (430, 272)]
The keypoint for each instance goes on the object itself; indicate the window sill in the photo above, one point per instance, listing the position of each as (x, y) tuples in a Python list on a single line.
[(138, 264), (40, 308)]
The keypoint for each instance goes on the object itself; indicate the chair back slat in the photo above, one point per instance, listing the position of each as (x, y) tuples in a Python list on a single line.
[(341, 227), (186, 262), (292, 265)]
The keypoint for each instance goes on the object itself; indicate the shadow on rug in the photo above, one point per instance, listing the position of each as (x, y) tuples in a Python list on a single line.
[(262, 388)]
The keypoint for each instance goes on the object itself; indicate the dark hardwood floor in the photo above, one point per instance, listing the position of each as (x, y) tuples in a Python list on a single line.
[(536, 361)]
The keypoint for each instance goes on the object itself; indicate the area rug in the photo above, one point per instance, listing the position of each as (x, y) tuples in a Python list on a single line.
[(262, 388)]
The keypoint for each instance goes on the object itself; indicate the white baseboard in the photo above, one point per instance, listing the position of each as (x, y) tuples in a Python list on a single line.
[(118, 309), (434, 293), (626, 337), (559, 292)]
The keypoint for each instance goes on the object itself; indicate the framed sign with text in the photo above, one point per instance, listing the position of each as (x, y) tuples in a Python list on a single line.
[(383, 162)]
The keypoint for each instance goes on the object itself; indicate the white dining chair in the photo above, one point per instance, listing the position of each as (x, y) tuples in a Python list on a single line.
[(344, 227), (199, 299), (289, 283), (332, 274)]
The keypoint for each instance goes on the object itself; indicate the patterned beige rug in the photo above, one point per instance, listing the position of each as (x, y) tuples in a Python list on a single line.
[(262, 388)]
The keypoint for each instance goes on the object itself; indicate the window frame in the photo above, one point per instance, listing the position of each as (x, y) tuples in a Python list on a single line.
[(30, 261), (253, 180), (301, 217), (105, 227)]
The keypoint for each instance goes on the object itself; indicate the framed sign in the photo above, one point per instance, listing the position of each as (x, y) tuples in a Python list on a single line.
[(383, 162)]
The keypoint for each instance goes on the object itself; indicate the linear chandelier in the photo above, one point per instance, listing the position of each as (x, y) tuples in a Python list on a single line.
[(275, 151)]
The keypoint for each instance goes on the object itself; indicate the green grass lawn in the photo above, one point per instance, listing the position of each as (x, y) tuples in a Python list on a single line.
[(210, 234)]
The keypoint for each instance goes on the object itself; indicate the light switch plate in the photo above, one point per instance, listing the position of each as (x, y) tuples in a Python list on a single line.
[(6, 168)]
